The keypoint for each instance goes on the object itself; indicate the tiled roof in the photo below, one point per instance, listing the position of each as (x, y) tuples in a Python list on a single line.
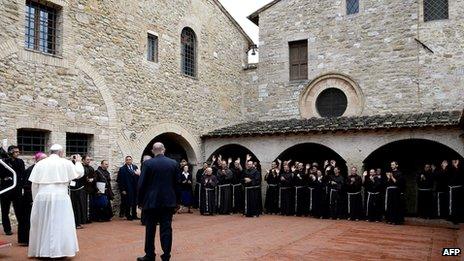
[(390, 121)]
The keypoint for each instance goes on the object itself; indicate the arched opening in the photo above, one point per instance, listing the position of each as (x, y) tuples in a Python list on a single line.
[(411, 155), (235, 151), (313, 152), (177, 147)]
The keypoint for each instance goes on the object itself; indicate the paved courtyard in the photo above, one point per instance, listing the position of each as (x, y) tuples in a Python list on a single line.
[(264, 238)]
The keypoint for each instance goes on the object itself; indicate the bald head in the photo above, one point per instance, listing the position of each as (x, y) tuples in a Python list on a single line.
[(158, 148)]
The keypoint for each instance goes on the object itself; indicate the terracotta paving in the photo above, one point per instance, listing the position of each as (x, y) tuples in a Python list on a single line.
[(265, 238)]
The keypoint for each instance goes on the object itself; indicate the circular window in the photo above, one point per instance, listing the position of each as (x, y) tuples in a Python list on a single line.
[(332, 102)]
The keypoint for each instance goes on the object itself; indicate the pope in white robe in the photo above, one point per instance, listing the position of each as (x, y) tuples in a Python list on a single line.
[(53, 230)]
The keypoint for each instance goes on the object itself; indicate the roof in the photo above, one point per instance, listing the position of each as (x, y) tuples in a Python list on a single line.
[(254, 17), (312, 125), (223, 9)]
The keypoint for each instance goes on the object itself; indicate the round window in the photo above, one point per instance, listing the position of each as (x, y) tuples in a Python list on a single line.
[(332, 102)]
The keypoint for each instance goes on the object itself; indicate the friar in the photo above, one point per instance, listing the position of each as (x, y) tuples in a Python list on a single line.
[(301, 182), (425, 192), (455, 185), (336, 184), (272, 193), (224, 176), (198, 178), (252, 185), (373, 184), (441, 188), (208, 193), (354, 196), (394, 191), (237, 187), (286, 199)]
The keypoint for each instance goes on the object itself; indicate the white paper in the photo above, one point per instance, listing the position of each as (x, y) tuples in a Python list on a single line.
[(101, 187), (72, 183)]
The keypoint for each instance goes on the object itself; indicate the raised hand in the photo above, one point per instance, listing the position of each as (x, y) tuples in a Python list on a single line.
[(248, 157)]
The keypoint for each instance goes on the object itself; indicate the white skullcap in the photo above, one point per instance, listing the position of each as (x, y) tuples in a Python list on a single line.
[(56, 147)]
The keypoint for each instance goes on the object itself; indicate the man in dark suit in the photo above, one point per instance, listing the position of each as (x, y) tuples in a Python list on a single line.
[(157, 197), (128, 176)]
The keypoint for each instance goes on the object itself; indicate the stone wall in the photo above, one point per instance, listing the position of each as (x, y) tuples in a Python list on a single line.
[(100, 82), (376, 48)]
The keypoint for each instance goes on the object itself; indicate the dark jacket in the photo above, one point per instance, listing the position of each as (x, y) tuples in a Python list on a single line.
[(157, 183), (127, 181), (6, 178)]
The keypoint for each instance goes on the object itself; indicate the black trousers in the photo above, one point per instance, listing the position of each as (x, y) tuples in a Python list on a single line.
[(425, 203), (164, 218), (5, 203), (129, 209), (25, 225)]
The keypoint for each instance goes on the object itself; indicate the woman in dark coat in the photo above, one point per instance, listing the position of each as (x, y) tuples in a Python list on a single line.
[(186, 194)]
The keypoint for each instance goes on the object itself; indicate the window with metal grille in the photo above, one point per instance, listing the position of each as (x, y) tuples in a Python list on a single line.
[(332, 102), (31, 141), (78, 143), (152, 45), (435, 10), (41, 26), (188, 45), (352, 7), (298, 52)]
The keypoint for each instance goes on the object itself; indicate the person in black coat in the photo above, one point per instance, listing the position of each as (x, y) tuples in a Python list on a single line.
[(14, 195), (286, 197), (127, 181), (425, 192), (394, 196), (272, 193), (353, 188), (252, 185), (441, 187), (157, 198), (186, 193), (456, 189), (373, 185)]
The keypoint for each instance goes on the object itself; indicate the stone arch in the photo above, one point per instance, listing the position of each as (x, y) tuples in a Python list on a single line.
[(411, 154), (309, 152), (190, 143), (105, 92), (350, 88)]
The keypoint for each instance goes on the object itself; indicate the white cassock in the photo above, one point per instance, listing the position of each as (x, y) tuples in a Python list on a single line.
[(53, 230)]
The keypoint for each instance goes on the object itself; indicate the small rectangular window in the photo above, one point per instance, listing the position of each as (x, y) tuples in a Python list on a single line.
[(152, 45), (41, 26), (352, 7), (435, 10), (78, 143), (31, 141), (298, 52)]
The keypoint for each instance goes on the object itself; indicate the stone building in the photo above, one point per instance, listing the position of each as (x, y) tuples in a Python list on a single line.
[(362, 82)]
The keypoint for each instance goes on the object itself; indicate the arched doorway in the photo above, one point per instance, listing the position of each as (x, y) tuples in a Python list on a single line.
[(176, 146), (235, 151), (411, 155), (313, 152)]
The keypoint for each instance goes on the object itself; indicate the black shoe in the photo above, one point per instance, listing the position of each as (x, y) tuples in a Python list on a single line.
[(145, 258), (8, 233), (136, 218)]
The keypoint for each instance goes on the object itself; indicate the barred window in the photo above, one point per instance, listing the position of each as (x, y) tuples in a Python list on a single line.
[(78, 143), (152, 45), (332, 102), (435, 10), (41, 26), (352, 7), (188, 45), (31, 141), (298, 52)]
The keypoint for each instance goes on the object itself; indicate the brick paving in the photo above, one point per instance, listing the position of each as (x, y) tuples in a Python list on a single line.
[(265, 238)]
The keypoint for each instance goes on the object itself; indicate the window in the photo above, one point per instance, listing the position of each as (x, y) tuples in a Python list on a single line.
[(188, 45), (78, 143), (152, 45), (298, 60), (332, 102), (41, 26), (31, 141), (435, 10), (352, 7)]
